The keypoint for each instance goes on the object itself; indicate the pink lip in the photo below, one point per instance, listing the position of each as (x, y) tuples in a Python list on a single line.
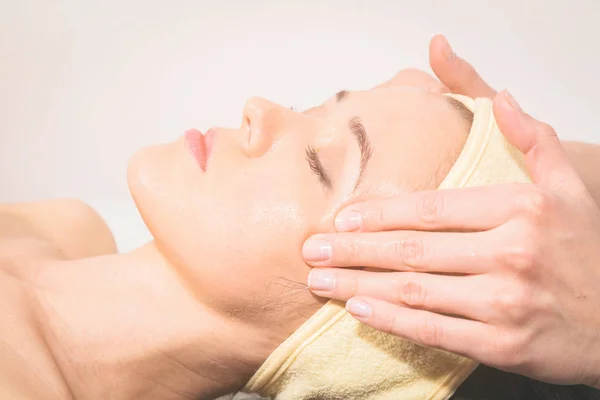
[(196, 146), (209, 141)]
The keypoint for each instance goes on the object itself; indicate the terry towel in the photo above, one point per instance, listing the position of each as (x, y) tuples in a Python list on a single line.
[(332, 356)]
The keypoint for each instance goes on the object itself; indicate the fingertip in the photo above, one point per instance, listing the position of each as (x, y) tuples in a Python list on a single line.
[(317, 250), (348, 220), (439, 45), (440, 53), (437, 38), (359, 308), (455, 72)]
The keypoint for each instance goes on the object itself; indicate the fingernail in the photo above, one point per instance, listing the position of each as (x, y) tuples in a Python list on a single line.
[(316, 250), (321, 280), (511, 100), (348, 221), (447, 51), (358, 309)]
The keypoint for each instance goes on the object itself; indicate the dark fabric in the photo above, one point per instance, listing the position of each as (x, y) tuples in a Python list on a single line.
[(486, 383)]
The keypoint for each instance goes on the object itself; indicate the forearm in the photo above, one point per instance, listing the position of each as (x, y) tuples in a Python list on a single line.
[(585, 157)]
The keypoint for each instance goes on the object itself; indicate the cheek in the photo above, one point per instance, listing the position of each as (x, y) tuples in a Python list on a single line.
[(251, 240), (235, 235), (236, 239)]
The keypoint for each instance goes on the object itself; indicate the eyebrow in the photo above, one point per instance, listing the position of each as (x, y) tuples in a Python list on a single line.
[(341, 95), (466, 114), (357, 129)]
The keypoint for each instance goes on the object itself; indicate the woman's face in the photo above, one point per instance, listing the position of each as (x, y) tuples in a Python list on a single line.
[(235, 228)]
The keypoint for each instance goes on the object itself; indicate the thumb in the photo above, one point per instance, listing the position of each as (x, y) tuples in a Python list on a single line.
[(454, 72), (545, 157)]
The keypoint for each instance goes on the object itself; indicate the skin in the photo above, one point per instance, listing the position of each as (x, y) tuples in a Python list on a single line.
[(73, 227), (526, 255), (189, 315), (30, 234)]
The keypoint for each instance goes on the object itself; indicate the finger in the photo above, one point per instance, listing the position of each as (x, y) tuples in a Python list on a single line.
[(545, 157), (447, 252), (454, 72), (460, 336), (431, 210), (439, 293)]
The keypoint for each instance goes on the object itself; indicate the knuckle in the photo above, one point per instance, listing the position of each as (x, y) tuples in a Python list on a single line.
[(353, 287), (503, 301), (388, 324), (375, 217), (546, 128), (520, 258), (353, 251), (544, 303), (412, 294), (397, 251), (413, 252), (346, 251), (514, 303), (430, 207), (429, 333), (534, 203)]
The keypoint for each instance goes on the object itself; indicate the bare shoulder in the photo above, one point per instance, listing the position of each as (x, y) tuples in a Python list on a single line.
[(70, 227), (23, 255)]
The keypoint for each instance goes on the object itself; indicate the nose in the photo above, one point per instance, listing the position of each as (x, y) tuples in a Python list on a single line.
[(264, 122)]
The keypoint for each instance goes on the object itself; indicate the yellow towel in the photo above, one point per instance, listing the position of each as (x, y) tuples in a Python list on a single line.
[(334, 357)]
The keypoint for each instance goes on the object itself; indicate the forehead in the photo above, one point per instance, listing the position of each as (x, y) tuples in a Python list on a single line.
[(412, 132), (397, 106)]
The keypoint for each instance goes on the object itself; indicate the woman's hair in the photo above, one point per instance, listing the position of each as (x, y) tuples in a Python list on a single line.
[(463, 111), (487, 383)]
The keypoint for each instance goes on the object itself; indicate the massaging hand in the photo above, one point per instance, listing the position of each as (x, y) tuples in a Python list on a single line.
[(507, 275)]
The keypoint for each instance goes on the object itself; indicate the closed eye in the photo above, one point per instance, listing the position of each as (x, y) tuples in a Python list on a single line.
[(317, 167)]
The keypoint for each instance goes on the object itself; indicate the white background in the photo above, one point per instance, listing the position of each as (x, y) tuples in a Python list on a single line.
[(84, 83)]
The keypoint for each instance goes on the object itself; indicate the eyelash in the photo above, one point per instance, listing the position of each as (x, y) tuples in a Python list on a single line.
[(316, 167)]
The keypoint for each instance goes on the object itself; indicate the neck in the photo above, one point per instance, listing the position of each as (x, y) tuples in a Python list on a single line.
[(125, 326)]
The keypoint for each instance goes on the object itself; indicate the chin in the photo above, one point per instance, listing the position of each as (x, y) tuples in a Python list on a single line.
[(168, 192), (148, 180)]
